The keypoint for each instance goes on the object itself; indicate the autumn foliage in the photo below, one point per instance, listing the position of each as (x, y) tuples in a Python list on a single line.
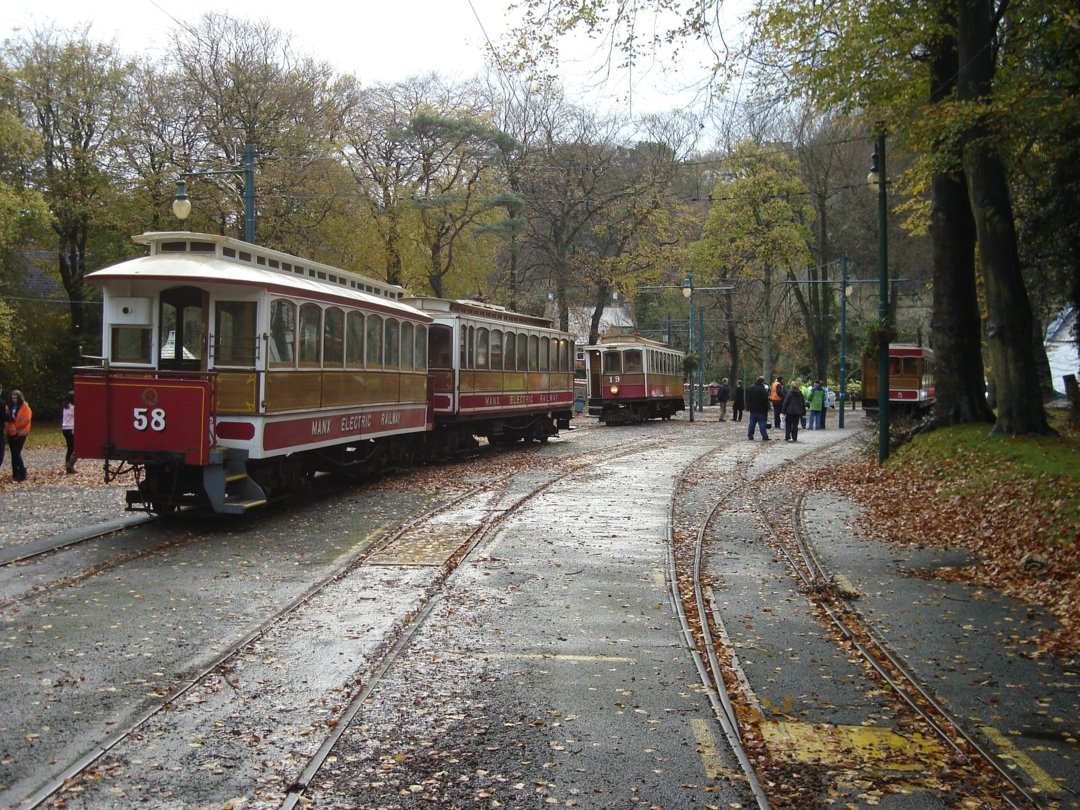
[(1013, 501)]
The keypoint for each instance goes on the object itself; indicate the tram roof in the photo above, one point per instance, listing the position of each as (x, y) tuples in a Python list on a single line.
[(478, 309), (621, 342), (197, 258)]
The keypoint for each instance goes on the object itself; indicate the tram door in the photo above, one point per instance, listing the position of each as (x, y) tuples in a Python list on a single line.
[(182, 333), (595, 375)]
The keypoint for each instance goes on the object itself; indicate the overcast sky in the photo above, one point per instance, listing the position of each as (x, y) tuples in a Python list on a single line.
[(376, 40)]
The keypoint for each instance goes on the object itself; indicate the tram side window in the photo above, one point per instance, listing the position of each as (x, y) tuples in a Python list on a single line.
[(440, 346), (496, 349), (534, 352), (354, 340), (523, 353), (234, 333), (612, 363), (374, 342), (282, 332), (420, 361), (632, 362), (392, 344), (408, 343), (130, 344), (510, 350), (333, 337), (310, 335), (482, 348), (545, 353)]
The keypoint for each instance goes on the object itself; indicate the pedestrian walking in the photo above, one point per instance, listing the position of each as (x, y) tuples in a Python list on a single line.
[(816, 402), (722, 399), (776, 397), (830, 400), (757, 402), (805, 388), (17, 430), (67, 427), (738, 402), (793, 407)]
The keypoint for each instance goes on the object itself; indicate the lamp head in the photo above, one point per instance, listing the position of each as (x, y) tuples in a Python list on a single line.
[(873, 179), (181, 205)]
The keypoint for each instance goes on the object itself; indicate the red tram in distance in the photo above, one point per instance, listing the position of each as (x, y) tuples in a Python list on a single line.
[(231, 373), (632, 379), (911, 380)]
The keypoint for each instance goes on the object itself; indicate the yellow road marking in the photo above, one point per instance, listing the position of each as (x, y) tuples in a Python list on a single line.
[(612, 659), (841, 745), (1040, 778), (710, 756)]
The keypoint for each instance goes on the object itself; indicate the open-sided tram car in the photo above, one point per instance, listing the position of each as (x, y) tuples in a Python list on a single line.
[(232, 372), (911, 380), (632, 379)]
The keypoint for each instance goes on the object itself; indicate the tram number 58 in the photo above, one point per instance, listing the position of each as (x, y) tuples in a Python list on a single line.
[(146, 418)]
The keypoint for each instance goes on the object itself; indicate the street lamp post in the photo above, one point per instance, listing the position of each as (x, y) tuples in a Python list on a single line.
[(181, 205), (688, 292), (877, 179), (843, 338)]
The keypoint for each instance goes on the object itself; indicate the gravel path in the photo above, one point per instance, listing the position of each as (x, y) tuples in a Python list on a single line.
[(51, 501)]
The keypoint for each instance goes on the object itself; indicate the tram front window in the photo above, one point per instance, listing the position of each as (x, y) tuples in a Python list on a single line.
[(183, 329)]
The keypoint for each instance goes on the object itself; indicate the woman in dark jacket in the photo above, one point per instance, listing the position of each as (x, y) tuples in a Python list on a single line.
[(793, 407), (738, 402)]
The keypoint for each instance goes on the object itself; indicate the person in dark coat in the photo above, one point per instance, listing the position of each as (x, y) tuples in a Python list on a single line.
[(738, 402), (757, 402), (793, 407), (722, 397)]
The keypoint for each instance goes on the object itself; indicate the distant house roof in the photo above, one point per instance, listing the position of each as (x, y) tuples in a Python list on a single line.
[(616, 319), (1061, 348)]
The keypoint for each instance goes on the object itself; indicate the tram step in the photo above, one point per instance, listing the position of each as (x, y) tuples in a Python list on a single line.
[(240, 507)]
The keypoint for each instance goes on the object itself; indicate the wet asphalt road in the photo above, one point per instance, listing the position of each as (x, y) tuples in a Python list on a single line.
[(550, 670)]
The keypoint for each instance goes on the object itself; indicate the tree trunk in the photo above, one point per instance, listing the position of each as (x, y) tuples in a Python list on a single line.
[(956, 322), (1008, 325)]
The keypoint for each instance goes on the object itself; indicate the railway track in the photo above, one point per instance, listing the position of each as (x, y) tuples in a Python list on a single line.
[(972, 766), (409, 545)]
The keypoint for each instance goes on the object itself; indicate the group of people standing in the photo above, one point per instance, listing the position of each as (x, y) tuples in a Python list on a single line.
[(18, 416), (790, 405)]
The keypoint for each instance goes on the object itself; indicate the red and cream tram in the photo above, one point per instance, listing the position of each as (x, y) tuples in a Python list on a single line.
[(231, 372), (911, 380), (632, 379), (496, 373)]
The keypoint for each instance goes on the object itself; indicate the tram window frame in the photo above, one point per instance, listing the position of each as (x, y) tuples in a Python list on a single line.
[(482, 348), (235, 336), (420, 358), (510, 350), (131, 344), (373, 341), (391, 344), (612, 362), (440, 343), (309, 327), (633, 363), (408, 345), (495, 349), (282, 333), (545, 353), (333, 351), (534, 352), (354, 339), (522, 352)]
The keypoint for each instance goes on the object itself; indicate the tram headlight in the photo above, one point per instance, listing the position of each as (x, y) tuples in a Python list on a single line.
[(614, 390)]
